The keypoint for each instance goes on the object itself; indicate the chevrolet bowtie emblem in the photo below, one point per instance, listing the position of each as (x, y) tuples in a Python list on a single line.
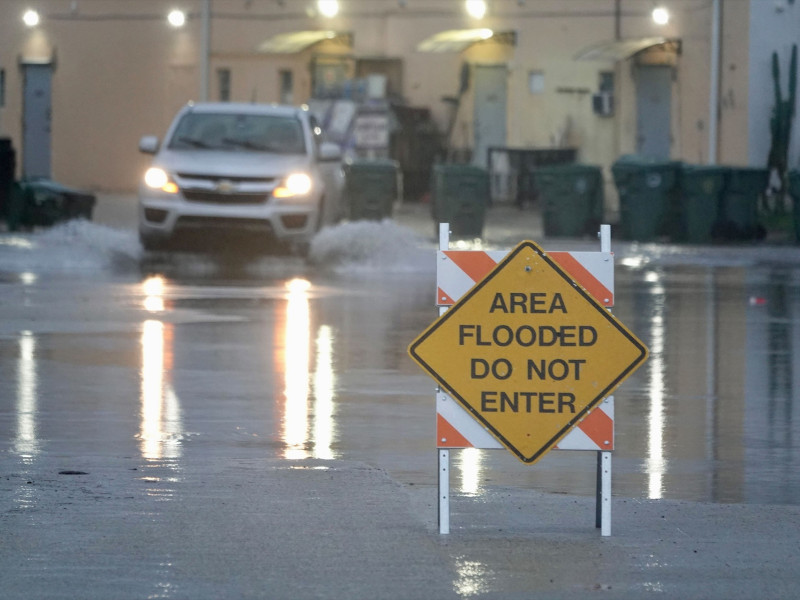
[(225, 186)]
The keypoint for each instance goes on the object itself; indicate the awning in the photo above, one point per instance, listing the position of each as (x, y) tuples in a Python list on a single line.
[(621, 49), (456, 40), (297, 41)]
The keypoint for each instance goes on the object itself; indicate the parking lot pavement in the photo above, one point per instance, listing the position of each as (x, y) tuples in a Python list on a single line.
[(255, 528)]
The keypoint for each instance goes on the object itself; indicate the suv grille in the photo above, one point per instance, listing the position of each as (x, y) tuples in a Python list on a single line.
[(223, 198)]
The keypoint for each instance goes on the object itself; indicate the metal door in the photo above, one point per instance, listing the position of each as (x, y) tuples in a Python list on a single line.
[(36, 116), (490, 110), (653, 100)]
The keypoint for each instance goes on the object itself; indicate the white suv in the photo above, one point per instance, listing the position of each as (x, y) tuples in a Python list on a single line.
[(239, 167)]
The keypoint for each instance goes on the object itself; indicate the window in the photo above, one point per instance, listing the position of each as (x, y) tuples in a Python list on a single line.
[(286, 87), (224, 84), (606, 82), (536, 82)]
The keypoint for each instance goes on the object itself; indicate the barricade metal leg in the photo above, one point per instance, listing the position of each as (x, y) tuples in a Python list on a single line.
[(444, 491), (605, 493), (604, 458), (444, 454), (598, 493)]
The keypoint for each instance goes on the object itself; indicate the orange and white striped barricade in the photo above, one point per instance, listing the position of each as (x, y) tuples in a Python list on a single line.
[(456, 273)]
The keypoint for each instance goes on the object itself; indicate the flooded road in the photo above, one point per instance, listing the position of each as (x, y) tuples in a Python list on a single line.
[(166, 359)]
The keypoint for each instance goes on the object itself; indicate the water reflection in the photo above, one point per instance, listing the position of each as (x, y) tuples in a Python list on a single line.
[(26, 443), (323, 395), (772, 455), (656, 463), (296, 429), (473, 578), (471, 463), (296, 373), (161, 427), (713, 417)]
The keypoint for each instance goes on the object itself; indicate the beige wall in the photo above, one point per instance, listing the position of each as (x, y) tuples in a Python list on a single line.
[(122, 72)]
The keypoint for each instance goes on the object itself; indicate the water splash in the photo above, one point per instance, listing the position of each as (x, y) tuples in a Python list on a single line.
[(72, 248), (371, 246)]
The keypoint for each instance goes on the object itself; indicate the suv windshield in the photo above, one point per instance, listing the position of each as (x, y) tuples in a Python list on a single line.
[(238, 132)]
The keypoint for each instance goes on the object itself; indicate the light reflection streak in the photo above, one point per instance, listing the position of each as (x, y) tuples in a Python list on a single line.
[(298, 434), (323, 394), (471, 466), (473, 578), (161, 427), (296, 372), (656, 463), (26, 443)]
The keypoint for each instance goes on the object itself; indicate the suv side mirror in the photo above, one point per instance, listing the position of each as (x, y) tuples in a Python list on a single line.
[(329, 152), (148, 144)]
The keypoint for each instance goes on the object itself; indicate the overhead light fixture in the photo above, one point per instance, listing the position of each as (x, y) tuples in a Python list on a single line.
[(177, 18), (660, 15), (475, 8), (328, 8), (31, 18)]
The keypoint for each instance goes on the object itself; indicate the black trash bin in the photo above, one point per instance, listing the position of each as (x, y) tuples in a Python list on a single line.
[(7, 167), (461, 197), (794, 192), (572, 199), (371, 188), (739, 211), (647, 203), (701, 189)]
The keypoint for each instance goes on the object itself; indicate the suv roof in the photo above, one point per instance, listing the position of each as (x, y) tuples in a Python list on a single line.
[(244, 108)]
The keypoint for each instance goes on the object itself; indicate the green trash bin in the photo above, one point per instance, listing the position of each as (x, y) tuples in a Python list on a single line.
[(7, 168), (701, 190), (794, 192), (739, 211), (18, 208), (371, 188), (647, 203), (460, 197), (572, 199), (43, 202)]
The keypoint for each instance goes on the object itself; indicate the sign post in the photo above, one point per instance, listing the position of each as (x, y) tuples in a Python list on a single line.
[(528, 353)]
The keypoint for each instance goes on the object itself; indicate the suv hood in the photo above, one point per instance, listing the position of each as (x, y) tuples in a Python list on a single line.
[(231, 164)]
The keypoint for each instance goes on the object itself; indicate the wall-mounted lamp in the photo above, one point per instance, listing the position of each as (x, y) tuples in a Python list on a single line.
[(328, 8), (660, 15), (31, 18), (475, 8), (177, 18)]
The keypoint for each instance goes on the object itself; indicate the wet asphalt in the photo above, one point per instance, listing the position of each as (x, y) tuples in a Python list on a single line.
[(95, 521)]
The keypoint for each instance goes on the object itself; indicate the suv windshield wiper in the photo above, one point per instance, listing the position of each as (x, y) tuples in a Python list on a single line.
[(250, 145), (194, 142)]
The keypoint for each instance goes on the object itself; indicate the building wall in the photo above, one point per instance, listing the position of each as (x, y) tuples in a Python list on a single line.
[(122, 72)]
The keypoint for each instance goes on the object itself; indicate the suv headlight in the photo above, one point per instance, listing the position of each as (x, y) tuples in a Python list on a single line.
[(296, 184), (159, 179)]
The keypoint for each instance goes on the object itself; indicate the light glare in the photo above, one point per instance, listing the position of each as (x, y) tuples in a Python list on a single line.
[(660, 15), (177, 18), (31, 18), (297, 184), (328, 8), (475, 8), (156, 178)]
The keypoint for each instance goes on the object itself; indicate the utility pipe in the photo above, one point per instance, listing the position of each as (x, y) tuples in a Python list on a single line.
[(205, 49), (713, 96)]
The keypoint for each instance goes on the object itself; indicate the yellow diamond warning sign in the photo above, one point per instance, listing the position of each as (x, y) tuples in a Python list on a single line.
[(528, 352)]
